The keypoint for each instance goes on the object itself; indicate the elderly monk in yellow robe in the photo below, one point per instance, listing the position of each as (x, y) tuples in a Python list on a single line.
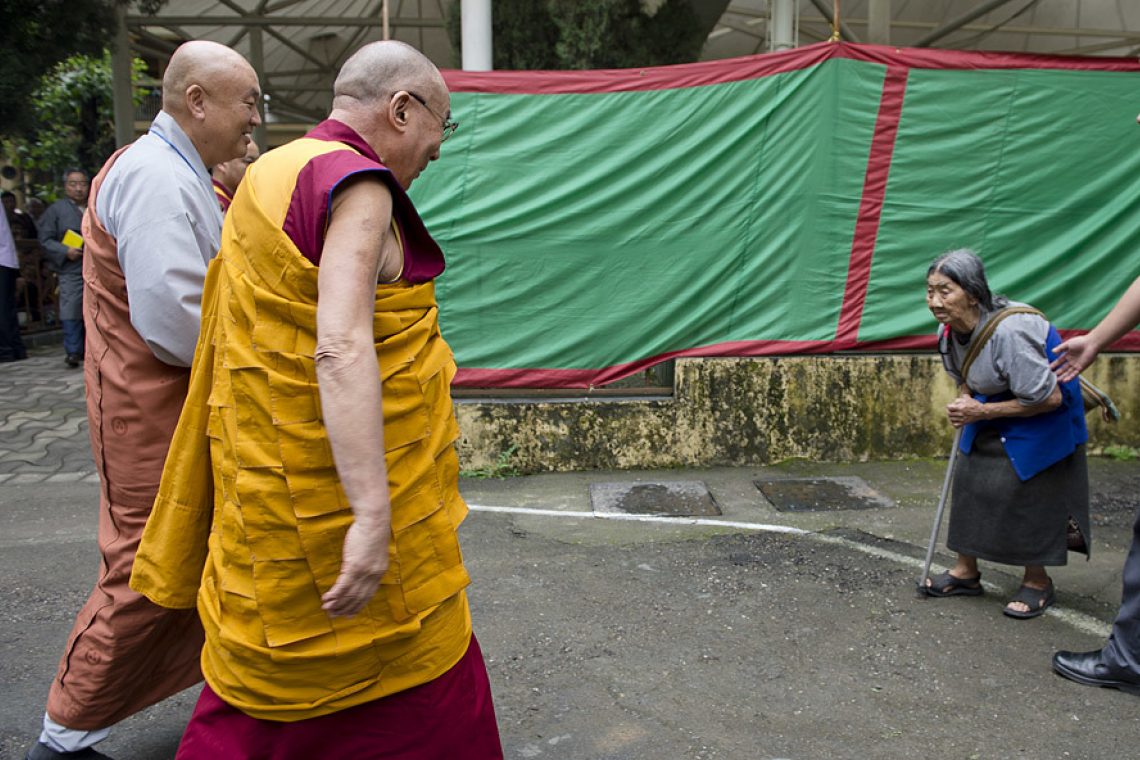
[(310, 502)]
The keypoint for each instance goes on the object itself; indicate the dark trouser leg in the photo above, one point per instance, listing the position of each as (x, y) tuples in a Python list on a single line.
[(11, 344), (73, 337), (1123, 648)]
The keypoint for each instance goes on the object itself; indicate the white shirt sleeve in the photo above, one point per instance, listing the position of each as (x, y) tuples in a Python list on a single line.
[(167, 224), (164, 274)]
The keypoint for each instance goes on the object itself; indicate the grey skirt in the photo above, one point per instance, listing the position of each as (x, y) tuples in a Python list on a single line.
[(996, 517)]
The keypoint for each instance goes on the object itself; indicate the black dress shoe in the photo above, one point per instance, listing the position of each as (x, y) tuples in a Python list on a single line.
[(1088, 668), (42, 751), (73, 360)]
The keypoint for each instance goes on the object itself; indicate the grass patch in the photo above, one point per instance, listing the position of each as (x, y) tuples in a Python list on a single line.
[(1121, 453), (500, 468)]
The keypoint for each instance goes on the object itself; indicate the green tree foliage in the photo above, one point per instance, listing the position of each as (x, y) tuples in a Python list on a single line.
[(72, 120), (37, 34), (587, 34)]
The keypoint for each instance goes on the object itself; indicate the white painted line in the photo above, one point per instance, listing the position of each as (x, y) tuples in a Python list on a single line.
[(623, 517), (1079, 620)]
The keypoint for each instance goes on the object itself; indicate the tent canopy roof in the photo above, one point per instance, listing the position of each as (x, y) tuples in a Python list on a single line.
[(304, 42)]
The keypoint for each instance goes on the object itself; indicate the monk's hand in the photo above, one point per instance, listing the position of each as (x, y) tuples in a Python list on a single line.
[(363, 562), (1073, 356), (963, 410)]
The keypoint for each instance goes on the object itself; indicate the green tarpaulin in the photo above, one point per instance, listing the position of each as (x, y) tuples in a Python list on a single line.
[(598, 222)]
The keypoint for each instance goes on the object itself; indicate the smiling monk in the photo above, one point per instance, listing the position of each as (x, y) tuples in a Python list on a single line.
[(151, 226)]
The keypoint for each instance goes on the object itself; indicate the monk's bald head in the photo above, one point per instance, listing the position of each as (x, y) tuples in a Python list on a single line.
[(202, 63), (214, 96), (394, 97), (379, 69)]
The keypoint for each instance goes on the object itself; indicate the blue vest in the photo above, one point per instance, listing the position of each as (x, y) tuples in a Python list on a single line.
[(1036, 443)]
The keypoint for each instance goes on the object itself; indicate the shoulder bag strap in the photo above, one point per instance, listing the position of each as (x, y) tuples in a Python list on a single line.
[(987, 332)]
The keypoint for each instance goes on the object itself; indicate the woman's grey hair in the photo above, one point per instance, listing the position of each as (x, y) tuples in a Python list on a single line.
[(965, 268)]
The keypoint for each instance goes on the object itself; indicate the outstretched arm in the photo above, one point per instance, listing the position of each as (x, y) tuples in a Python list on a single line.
[(1076, 354)]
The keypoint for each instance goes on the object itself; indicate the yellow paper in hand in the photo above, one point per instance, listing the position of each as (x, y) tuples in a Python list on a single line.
[(72, 239)]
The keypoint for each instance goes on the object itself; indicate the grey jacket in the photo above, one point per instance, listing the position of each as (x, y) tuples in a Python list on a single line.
[(61, 216)]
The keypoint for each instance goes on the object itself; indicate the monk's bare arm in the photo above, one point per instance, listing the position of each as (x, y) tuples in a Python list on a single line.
[(349, 382), (1076, 354)]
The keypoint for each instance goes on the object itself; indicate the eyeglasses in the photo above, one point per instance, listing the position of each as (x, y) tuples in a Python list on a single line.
[(448, 125)]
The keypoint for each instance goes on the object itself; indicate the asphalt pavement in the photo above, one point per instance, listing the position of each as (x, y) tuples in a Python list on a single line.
[(753, 634)]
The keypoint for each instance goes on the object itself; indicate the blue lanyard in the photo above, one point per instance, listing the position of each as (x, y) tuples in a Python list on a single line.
[(160, 137)]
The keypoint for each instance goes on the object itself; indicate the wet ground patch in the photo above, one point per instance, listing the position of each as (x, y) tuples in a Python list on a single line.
[(677, 498), (822, 494)]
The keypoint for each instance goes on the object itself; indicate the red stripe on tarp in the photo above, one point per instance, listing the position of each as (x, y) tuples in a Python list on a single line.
[(1130, 343), (931, 58), (871, 206), (757, 66), (908, 343), (471, 377), (679, 76)]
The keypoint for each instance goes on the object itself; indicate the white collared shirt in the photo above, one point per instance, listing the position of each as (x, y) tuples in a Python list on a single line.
[(158, 203)]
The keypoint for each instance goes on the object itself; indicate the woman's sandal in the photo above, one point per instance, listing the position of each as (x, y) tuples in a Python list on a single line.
[(945, 584), (1036, 599)]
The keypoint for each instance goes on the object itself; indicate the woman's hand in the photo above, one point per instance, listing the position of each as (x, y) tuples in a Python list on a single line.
[(964, 410)]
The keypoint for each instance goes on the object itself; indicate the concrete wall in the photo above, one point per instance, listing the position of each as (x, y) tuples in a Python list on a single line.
[(755, 411)]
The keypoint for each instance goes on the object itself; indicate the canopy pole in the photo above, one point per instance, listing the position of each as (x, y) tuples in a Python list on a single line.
[(476, 31), (879, 22), (783, 25)]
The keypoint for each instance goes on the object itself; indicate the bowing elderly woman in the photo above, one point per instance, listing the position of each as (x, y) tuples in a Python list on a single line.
[(1020, 493)]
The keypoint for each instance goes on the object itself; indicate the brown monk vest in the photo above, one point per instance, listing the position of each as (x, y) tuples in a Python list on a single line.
[(133, 399)]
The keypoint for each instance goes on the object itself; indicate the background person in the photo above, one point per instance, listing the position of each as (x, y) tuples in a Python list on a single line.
[(1117, 664), (19, 222), (11, 344), (152, 225), (227, 175), (1020, 481), (36, 208), (62, 217)]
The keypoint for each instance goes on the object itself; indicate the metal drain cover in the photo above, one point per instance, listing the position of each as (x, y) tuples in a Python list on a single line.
[(677, 498), (821, 494)]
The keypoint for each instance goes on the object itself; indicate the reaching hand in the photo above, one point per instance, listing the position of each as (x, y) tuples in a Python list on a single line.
[(363, 561), (1073, 357)]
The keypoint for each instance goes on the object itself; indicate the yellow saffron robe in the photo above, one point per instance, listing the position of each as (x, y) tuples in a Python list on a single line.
[(250, 518)]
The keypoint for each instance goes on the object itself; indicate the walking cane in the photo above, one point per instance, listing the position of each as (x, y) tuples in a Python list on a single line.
[(938, 513)]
